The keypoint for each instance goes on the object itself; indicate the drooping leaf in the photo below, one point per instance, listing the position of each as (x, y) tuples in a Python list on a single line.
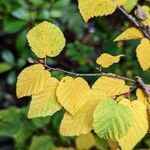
[(129, 34), (46, 39), (106, 60), (86, 141), (45, 103), (143, 54), (82, 121), (139, 127), (41, 142), (31, 80), (72, 93), (112, 120), (90, 8)]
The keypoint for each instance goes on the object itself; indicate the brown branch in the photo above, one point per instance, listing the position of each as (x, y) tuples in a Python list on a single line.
[(31, 60), (138, 24)]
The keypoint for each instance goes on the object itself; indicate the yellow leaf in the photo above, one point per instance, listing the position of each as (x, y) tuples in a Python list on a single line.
[(32, 80), (45, 103), (91, 8), (109, 87), (72, 93), (85, 142), (82, 121), (143, 54), (106, 60), (141, 96), (139, 127), (129, 34), (46, 39)]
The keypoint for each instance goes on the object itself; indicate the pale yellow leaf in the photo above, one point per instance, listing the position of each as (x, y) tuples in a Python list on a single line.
[(72, 93), (32, 80), (106, 60), (82, 121), (143, 54), (109, 87), (129, 34), (46, 39), (139, 127), (91, 8), (85, 142), (45, 103)]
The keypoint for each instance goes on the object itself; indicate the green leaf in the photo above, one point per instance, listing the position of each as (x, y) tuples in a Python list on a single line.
[(10, 121), (8, 56), (5, 67), (13, 26), (21, 13), (129, 5), (41, 142), (112, 120)]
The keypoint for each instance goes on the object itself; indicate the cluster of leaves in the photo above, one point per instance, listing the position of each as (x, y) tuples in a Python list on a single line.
[(113, 117), (52, 89)]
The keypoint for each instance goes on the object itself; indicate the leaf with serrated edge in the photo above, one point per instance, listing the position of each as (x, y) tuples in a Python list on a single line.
[(143, 54), (32, 80), (129, 34), (72, 93), (139, 127), (90, 8), (82, 121), (112, 120), (45, 103), (106, 60), (109, 87), (46, 39)]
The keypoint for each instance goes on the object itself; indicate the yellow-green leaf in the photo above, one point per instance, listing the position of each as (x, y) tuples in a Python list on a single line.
[(129, 5), (72, 93), (85, 142), (32, 80), (112, 120), (129, 34), (45, 103), (82, 121), (46, 39), (139, 127), (106, 60), (143, 54), (91, 8)]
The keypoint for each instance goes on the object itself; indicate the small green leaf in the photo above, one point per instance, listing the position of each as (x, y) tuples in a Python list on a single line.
[(13, 26), (8, 56), (10, 121), (112, 120), (5, 67), (41, 143)]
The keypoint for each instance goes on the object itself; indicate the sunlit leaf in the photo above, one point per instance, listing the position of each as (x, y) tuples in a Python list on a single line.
[(46, 39), (45, 103), (112, 120), (90, 8), (106, 60), (143, 54), (129, 34), (72, 93), (139, 127), (32, 80)]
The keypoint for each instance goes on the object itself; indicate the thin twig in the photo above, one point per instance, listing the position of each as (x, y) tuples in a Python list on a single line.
[(31, 60)]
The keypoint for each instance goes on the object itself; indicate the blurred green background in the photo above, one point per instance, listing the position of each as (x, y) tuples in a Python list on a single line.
[(85, 42)]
